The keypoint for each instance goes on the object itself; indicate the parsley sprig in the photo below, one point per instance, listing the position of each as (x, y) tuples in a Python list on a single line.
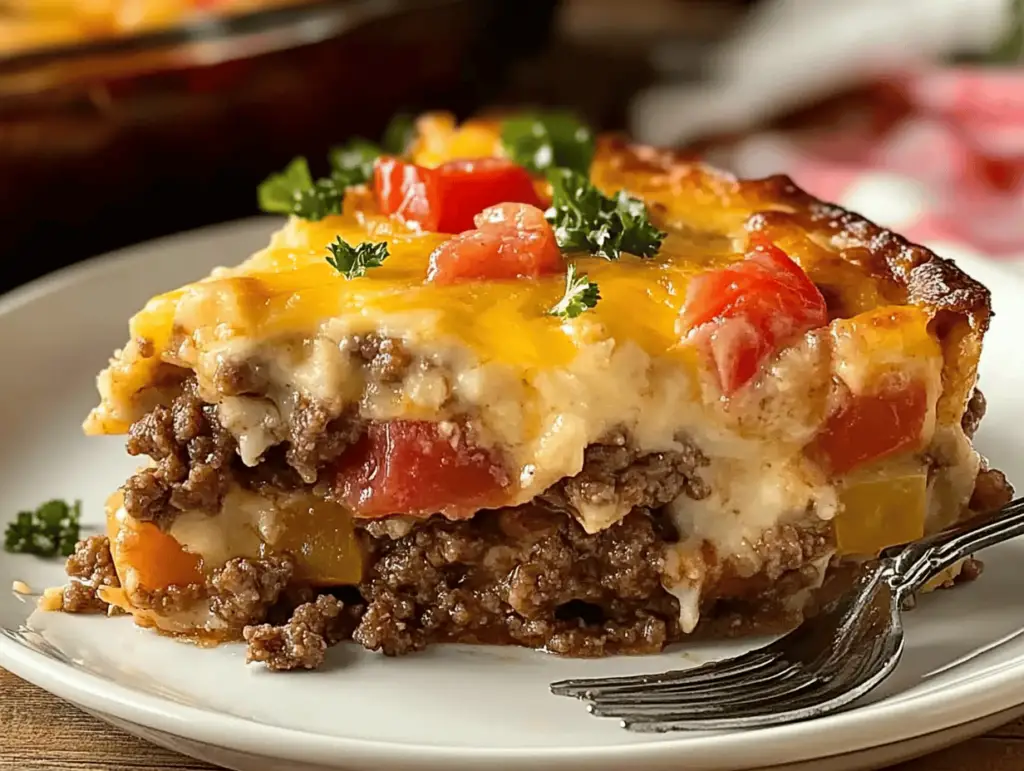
[(580, 294), (294, 191), (547, 140), (352, 164), (52, 529), (353, 261), (586, 220)]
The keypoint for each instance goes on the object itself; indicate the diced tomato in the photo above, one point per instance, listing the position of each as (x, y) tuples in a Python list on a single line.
[(512, 240), (445, 199), (418, 468), (871, 426), (743, 313)]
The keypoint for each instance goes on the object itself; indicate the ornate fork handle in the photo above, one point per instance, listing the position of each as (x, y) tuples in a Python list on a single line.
[(921, 561)]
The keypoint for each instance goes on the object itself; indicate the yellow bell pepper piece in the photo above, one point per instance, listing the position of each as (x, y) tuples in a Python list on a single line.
[(880, 509)]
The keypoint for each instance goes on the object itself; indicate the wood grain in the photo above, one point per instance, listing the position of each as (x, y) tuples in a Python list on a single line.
[(40, 732)]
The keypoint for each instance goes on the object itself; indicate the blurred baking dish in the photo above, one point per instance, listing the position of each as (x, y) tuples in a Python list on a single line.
[(171, 128), (27, 25)]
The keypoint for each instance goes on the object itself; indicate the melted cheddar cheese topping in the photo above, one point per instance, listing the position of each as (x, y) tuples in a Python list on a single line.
[(288, 290)]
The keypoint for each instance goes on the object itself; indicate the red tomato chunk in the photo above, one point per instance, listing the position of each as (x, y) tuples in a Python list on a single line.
[(742, 314), (418, 468), (868, 427), (445, 199), (512, 240)]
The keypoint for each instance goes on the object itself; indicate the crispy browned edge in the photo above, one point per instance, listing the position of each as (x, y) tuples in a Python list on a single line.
[(961, 306)]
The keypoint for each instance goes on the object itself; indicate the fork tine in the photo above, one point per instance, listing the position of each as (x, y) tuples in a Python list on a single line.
[(710, 680), (699, 676), (791, 682), (825, 696), (777, 672), (585, 687)]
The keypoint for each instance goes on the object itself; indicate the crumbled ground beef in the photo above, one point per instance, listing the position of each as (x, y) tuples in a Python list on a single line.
[(753, 591), (992, 490), (528, 576), (975, 412), (240, 377), (533, 577), (241, 592), (303, 640), (780, 551), (196, 459), (315, 438), (387, 358), (971, 571), (523, 576), (193, 457), (615, 474), (244, 589), (271, 474), (170, 599), (89, 568)]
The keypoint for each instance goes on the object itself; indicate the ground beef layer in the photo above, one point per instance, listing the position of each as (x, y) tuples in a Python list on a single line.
[(528, 576), (195, 462)]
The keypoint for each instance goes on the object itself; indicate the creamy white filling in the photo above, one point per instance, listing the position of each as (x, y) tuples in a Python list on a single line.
[(688, 595), (749, 498), (246, 521), (255, 423)]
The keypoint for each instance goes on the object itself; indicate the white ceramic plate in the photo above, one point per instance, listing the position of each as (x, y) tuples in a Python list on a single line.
[(451, 707)]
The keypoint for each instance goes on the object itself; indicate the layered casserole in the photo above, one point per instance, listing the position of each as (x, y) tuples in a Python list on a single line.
[(507, 384)]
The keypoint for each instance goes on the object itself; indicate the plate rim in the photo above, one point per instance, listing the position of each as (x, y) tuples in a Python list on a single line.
[(983, 694)]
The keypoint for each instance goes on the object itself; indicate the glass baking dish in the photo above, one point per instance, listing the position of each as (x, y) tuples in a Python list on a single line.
[(110, 142)]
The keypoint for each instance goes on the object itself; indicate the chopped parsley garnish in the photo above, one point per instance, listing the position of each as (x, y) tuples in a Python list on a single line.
[(50, 530), (548, 140), (352, 164), (353, 261), (580, 294), (586, 220), (293, 191)]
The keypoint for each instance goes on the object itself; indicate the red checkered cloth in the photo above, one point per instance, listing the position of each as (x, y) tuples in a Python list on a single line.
[(949, 169)]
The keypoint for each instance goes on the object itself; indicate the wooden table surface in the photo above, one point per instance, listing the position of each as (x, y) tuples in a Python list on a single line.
[(40, 732)]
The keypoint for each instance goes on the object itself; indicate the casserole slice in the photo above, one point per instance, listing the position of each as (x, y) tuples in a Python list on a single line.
[(431, 412)]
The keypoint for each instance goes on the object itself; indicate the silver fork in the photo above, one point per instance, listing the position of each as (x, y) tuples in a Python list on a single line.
[(826, 663)]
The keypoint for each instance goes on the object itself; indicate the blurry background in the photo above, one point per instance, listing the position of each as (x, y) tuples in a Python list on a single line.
[(122, 120)]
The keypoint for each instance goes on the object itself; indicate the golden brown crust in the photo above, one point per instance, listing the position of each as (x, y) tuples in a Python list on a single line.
[(930, 281), (906, 273)]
